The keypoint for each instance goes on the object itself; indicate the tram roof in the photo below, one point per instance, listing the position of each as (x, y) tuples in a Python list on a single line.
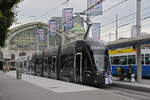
[(51, 51), (144, 39), (83, 42)]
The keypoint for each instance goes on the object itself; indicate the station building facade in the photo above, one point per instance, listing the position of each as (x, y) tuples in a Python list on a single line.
[(24, 40)]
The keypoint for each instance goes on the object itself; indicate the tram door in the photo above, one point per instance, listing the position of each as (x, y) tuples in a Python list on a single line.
[(78, 68), (53, 68)]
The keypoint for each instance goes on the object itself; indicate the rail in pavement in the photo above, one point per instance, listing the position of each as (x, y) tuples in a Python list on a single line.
[(144, 85)]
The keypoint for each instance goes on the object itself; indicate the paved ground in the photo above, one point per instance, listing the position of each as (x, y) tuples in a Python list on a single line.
[(41, 89), (144, 85), (12, 89)]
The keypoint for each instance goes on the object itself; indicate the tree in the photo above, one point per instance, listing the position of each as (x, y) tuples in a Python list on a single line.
[(7, 17)]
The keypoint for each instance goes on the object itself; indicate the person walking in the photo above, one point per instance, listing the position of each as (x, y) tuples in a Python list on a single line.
[(4, 68), (130, 71)]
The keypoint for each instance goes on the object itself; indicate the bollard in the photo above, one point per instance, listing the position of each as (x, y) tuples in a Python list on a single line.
[(18, 74)]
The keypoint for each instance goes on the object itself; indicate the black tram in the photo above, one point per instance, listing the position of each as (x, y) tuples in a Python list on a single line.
[(82, 61)]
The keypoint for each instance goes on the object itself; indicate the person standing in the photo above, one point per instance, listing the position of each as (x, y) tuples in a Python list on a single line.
[(4, 68), (130, 71), (7, 67), (121, 72)]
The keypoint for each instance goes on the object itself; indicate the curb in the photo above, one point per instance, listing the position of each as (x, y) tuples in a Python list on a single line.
[(132, 86)]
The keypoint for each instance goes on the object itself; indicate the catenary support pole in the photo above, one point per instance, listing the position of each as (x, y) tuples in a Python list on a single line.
[(109, 37), (47, 40), (138, 25), (116, 26)]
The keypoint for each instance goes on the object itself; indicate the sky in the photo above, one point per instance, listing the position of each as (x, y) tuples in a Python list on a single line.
[(43, 10)]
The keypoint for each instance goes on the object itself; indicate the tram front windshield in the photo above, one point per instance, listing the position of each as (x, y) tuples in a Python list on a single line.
[(99, 56)]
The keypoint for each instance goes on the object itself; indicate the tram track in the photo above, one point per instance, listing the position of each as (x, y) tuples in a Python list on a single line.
[(130, 93)]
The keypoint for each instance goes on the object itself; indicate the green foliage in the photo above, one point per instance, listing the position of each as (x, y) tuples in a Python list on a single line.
[(7, 16)]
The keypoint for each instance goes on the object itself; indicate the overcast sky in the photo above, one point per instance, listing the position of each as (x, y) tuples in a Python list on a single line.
[(43, 10)]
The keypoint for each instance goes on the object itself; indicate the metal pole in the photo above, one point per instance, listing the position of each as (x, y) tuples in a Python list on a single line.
[(138, 27), (116, 26), (47, 40), (88, 20), (109, 37), (87, 17), (42, 62), (38, 44)]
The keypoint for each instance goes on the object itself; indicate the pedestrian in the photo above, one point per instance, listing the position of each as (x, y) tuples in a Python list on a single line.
[(4, 68), (7, 68), (130, 71), (121, 72)]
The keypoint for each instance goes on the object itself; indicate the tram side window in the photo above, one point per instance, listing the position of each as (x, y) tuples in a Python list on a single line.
[(54, 64), (115, 60), (49, 61), (54, 60), (107, 63), (46, 61), (67, 67), (87, 63), (131, 59), (111, 60), (123, 60), (147, 59)]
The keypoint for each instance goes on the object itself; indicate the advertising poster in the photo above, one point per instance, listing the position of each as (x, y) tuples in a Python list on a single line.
[(68, 18), (96, 31), (41, 34), (52, 27)]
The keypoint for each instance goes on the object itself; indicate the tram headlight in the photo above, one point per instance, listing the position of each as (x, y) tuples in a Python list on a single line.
[(97, 73), (109, 73)]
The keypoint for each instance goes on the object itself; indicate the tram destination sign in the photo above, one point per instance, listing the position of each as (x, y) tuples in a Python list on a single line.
[(97, 47)]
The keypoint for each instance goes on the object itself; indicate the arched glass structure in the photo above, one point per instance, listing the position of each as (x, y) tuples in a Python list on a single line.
[(26, 37)]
